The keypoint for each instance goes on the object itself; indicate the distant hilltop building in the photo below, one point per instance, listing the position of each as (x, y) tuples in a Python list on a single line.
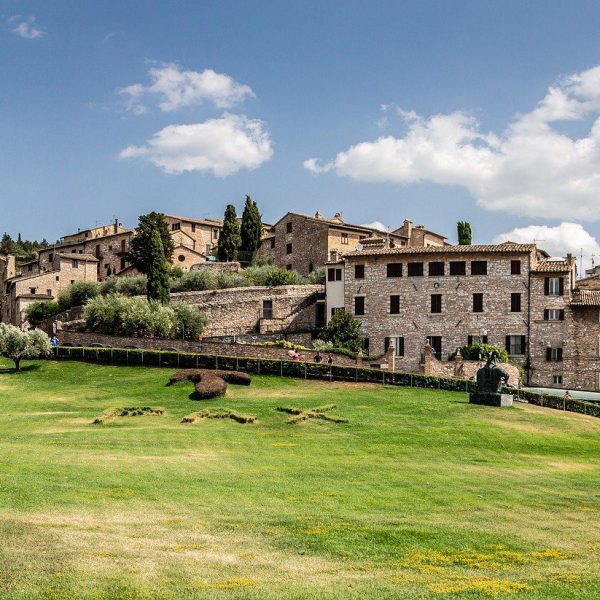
[(303, 243)]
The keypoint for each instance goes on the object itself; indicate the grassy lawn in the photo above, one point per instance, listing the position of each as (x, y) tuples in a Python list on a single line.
[(421, 495)]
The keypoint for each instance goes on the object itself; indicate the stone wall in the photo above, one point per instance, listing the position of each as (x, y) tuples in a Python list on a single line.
[(238, 311), (463, 369), (216, 268)]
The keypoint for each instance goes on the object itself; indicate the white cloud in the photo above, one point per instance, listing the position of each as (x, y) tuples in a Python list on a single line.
[(222, 146), (377, 225), (26, 28), (176, 89), (563, 239), (530, 169)]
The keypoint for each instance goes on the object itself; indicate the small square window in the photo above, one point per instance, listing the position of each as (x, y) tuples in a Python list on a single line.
[(479, 267), (394, 269), (436, 269), (344, 238), (457, 267), (415, 269), (557, 379)]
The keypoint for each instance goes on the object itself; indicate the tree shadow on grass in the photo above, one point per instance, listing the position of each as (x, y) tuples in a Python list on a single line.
[(13, 371)]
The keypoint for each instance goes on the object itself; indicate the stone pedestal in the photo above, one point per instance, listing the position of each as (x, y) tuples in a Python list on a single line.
[(491, 399)]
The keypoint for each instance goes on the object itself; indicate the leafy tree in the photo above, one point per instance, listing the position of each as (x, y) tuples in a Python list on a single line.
[(251, 230), (40, 311), (139, 253), (190, 321), (343, 331), (464, 233), (229, 240), (7, 245), (17, 345), (157, 270), (77, 294)]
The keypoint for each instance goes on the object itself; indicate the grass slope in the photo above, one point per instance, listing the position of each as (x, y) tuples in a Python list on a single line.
[(421, 495)]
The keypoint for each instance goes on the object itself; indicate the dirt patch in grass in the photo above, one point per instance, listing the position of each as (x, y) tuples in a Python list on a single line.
[(128, 411), (218, 413)]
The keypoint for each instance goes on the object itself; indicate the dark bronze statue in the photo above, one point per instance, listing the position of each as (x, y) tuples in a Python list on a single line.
[(491, 378)]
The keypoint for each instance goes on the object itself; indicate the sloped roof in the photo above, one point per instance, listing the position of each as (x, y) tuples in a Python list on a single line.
[(553, 266), (75, 256), (586, 298), (472, 249)]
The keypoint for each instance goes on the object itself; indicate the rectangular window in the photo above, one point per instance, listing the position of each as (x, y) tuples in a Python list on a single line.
[(554, 354), (344, 238), (554, 314), (515, 302), (394, 269), (479, 267), (175, 226), (123, 263), (193, 227), (50, 257), (435, 341), (516, 344), (288, 249), (436, 269), (272, 242), (267, 309), (554, 286), (436, 303), (334, 274), (75, 263), (97, 251), (557, 379), (477, 303), (288, 267), (336, 309), (365, 346), (32, 290), (396, 342), (30, 267), (394, 305), (359, 305), (477, 339), (359, 271), (215, 234), (515, 267), (415, 269), (288, 227), (57, 278), (458, 267)]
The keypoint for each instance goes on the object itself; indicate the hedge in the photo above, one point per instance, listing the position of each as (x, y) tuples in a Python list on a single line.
[(306, 370)]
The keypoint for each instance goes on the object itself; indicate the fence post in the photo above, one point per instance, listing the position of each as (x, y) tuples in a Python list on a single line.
[(259, 366), (197, 358), (237, 363), (411, 380), (159, 357), (564, 405), (178, 360), (281, 368), (216, 361), (127, 357), (330, 374), (304, 370)]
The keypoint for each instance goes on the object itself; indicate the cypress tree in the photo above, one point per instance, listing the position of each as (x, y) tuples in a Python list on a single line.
[(229, 240), (464, 233), (139, 255), (157, 270), (251, 230)]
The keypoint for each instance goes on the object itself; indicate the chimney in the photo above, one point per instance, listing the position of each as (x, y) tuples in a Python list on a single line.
[(407, 226), (338, 217), (318, 215), (116, 226)]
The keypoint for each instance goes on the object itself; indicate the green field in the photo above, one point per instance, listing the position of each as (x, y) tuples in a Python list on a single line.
[(421, 495)]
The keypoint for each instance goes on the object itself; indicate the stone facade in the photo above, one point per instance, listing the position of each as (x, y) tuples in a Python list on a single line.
[(21, 291), (238, 311), (200, 235), (510, 295), (303, 243)]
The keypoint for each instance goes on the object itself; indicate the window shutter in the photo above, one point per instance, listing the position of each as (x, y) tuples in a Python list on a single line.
[(523, 344), (470, 340), (548, 354), (508, 343), (386, 344), (559, 354), (546, 315), (561, 286), (562, 315), (546, 286)]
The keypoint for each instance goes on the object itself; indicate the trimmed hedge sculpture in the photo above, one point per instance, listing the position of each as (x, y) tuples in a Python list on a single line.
[(209, 383)]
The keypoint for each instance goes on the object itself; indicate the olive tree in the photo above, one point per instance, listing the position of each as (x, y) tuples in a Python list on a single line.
[(17, 345)]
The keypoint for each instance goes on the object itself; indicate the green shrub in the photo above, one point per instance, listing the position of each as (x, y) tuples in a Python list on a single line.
[(283, 277), (77, 294), (343, 331), (39, 311), (481, 352), (194, 281), (127, 286), (317, 276), (190, 321), (232, 280)]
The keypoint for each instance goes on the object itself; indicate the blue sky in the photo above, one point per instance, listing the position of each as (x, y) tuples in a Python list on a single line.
[(435, 111)]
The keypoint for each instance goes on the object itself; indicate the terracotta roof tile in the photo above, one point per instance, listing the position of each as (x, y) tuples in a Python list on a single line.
[(473, 249), (586, 298)]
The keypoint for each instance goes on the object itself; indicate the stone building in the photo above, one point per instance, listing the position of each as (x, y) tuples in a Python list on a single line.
[(303, 243), (109, 244), (20, 291), (510, 295)]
